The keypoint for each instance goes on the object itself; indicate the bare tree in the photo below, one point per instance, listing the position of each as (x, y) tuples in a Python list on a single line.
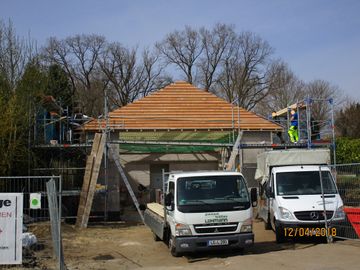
[(130, 77), (234, 66), (78, 56), (217, 43), (245, 75), (323, 95), (284, 89), (183, 49)]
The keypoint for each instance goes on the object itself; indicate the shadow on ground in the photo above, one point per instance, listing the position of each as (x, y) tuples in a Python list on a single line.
[(257, 248)]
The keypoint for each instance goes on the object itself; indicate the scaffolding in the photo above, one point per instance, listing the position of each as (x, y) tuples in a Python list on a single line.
[(314, 130), (58, 147)]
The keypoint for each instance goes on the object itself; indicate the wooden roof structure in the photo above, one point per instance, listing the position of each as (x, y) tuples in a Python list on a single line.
[(181, 106)]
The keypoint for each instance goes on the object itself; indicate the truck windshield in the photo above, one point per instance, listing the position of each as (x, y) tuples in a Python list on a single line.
[(304, 183), (212, 193)]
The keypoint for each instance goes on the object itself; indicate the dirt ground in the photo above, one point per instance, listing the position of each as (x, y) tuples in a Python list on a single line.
[(131, 246)]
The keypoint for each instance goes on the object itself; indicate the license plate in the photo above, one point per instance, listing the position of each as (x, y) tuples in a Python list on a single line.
[(222, 242)]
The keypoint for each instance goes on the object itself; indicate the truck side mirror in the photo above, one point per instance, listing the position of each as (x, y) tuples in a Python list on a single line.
[(254, 197), (169, 198), (268, 192)]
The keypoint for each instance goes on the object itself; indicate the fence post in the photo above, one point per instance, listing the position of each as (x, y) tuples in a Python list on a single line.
[(55, 219), (324, 205), (60, 252)]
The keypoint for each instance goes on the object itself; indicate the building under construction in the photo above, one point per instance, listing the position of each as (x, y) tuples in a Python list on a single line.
[(177, 128)]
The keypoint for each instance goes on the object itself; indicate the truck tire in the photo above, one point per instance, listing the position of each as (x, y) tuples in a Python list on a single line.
[(279, 233), (172, 247), (268, 223)]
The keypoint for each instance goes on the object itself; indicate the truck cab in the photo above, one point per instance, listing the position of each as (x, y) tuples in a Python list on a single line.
[(206, 211)]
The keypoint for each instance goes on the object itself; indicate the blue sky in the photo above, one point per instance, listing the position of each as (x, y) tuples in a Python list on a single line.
[(319, 39)]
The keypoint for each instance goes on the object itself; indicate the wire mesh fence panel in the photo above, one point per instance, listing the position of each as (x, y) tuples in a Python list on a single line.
[(41, 244), (347, 177)]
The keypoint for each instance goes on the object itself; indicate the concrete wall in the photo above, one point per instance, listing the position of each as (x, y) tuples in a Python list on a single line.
[(198, 166), (138, 165), (137, 168), (145, 169), (109, 177)]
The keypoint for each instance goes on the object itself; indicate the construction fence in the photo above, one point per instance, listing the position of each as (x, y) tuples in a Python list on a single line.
[(37, 222), (347, 177)]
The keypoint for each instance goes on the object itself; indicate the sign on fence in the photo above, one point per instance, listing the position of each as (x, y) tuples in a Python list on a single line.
[(11, 222), (35, 200)]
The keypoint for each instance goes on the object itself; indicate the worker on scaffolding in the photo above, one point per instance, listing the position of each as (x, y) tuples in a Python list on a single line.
[(293, 130)]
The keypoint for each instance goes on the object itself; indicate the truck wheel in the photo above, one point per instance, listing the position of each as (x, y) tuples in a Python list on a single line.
[(155, 237), (279, 233), (268, 223), (172, 247)]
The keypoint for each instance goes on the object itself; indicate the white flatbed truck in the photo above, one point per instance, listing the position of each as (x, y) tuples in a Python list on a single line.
[(203, 211)]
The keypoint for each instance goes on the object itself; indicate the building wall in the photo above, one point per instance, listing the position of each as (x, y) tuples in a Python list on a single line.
[(110, 179), (137, 165), (138, 169), (198, 166), (145, 169)]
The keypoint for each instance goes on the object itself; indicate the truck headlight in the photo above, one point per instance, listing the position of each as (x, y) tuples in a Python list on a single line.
[(246, 226), (182, 230), (339, 213), (285, 214)]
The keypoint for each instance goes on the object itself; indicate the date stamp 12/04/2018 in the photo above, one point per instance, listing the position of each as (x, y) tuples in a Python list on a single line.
[(305, 232)]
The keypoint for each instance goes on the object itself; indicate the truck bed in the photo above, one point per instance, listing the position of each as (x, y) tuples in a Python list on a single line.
[(156, 208), (154, 218)]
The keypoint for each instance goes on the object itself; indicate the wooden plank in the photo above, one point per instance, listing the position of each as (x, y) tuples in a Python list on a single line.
[(156, 208), (92, 185), (294, 106), (87, 177)]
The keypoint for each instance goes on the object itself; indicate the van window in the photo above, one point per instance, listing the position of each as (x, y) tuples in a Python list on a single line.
[(212, 193), (304, 183), (272, 182)]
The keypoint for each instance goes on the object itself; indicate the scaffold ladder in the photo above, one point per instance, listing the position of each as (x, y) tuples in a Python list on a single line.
[(230, 166)]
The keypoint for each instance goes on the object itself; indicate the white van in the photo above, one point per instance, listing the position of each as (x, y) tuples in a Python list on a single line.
[(291, 197)]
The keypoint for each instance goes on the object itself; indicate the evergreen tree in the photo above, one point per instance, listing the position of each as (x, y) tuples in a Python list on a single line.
[(17, 111), (59, 86), (348, 121)]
